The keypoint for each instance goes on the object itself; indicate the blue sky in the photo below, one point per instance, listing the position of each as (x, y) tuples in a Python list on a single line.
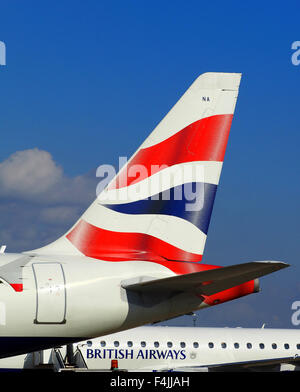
[(87, 81)]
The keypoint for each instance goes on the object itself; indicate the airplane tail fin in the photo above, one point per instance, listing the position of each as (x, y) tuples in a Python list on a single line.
[(159, 205)]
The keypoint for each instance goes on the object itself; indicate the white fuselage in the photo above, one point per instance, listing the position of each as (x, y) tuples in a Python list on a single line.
[(162, 348), (67, 298)]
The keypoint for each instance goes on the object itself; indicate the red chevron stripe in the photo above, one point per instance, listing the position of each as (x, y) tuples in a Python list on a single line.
[(109, 245), (203, 140), (117, 247), (98, 243)]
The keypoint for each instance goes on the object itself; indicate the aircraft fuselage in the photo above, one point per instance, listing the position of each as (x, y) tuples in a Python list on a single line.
[(64, 299)]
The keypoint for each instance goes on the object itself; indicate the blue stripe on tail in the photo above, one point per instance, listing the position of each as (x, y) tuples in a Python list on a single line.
[(192, 201)]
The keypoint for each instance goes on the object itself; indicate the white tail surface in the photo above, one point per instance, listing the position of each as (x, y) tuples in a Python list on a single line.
[(159, 205)]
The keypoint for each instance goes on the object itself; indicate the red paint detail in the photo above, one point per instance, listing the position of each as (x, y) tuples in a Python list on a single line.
[(185, 267), (230, 294), (203, 140), (116, 247), (17, 286), (225, 295), (109, 245)]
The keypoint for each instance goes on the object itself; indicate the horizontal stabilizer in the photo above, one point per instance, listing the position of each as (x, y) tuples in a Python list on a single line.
[(208, 282)]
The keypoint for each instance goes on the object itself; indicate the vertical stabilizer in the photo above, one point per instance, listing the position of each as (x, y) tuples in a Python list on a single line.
[(159, 205)]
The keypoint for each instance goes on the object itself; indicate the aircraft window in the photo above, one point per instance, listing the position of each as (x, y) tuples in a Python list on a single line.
[(236, 345), (116, 343), (182, 344), (103, 343), (210, 345), (261, 345), (286, 346), (169, 344), (89, 343), (249, 345), (298, 346), (274, 346), (156, 344), (143, 344), (129, 344), (196, 344), (223, 345)]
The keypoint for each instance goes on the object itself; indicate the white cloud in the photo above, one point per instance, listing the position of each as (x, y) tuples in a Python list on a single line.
[(29, 173), (33, 175), (38, 202)]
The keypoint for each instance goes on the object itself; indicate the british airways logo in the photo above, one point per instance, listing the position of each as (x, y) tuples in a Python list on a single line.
[(131, 354)]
